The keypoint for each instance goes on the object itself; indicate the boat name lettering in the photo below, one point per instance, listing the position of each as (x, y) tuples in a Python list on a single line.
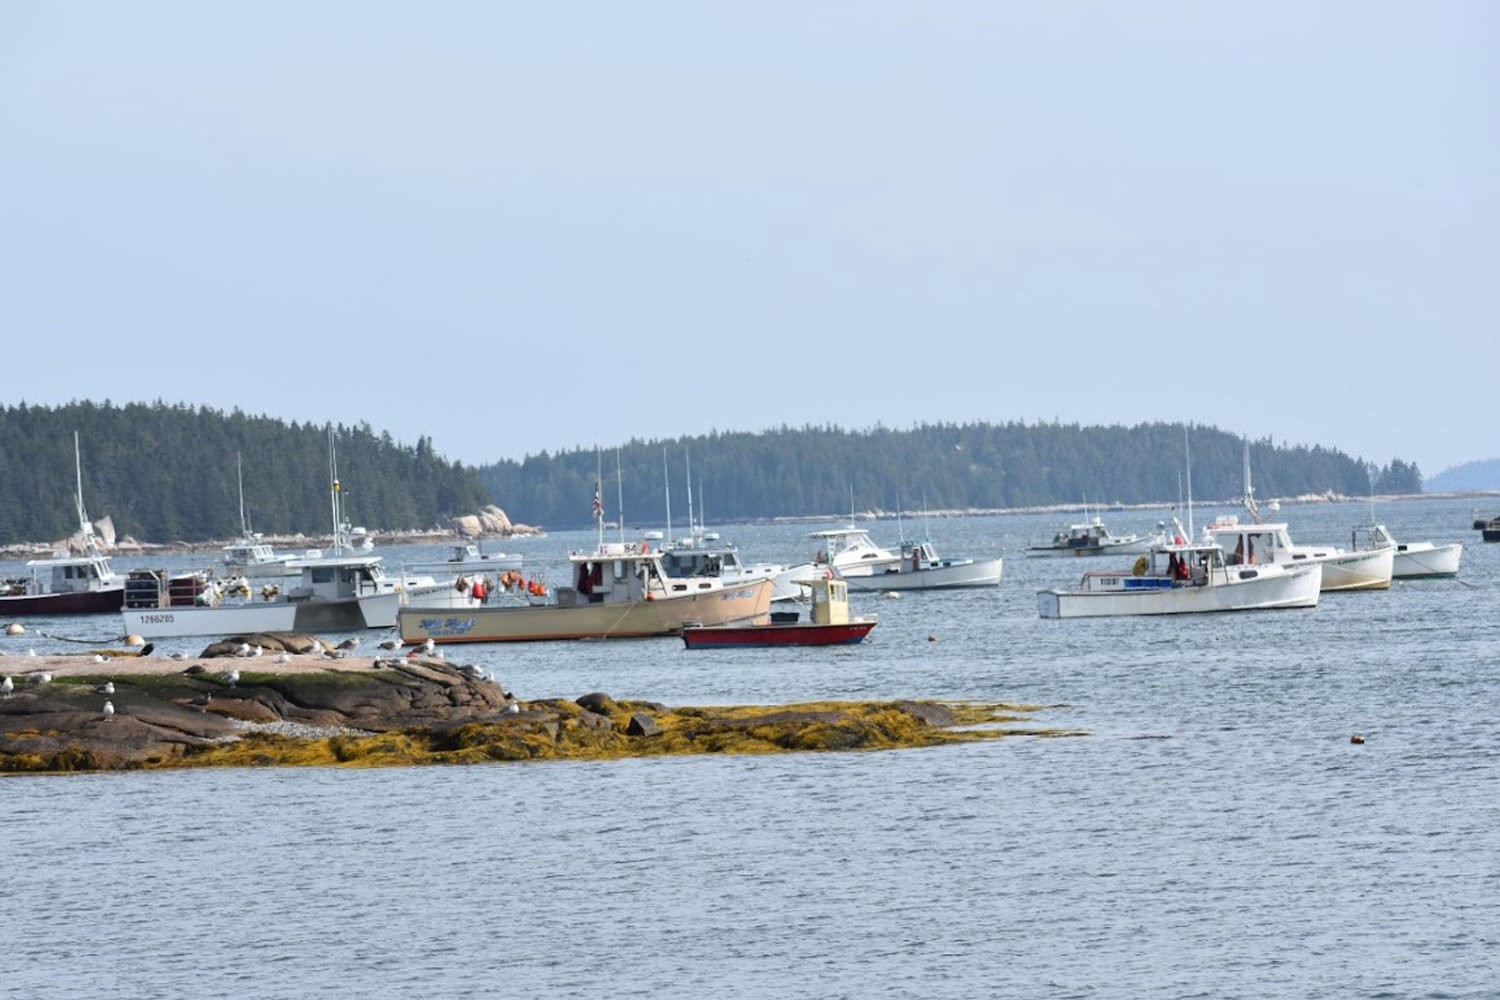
[(447, 626)]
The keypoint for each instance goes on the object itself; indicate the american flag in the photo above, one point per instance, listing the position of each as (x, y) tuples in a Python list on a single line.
[(598, 504)]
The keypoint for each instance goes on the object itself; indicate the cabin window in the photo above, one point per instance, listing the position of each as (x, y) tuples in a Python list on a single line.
[(619, 569), (322, 574)]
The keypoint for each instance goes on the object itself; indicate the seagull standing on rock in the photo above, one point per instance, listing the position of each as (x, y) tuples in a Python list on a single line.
[(389, 644), (424, 649), (233, 677), (109, 709), (243, 649), (108, 687), (283, 657), (349, 644), (7, 686)]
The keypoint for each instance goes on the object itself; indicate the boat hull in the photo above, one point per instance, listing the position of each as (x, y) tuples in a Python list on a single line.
[(634, 619), (976, 573), (1290, 589), (377, 611), (83, 602), (774, 634), (1367, 570), (1423, 559)]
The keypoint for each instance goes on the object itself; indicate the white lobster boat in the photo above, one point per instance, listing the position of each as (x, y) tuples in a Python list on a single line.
[(1267, 543), (1183, 579), (1261, 543), (1092, 539), (852, 553), (1412, 560), (921, 568)]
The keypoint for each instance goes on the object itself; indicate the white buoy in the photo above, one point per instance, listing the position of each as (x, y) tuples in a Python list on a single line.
[(134, 640), (15, 628)]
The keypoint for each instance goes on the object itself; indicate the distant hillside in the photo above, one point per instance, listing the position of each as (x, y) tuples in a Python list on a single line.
[(1483, 475), (168, 472), (823, 470)]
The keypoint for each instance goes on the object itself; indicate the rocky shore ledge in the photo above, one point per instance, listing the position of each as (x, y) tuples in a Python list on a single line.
[(309, 709)]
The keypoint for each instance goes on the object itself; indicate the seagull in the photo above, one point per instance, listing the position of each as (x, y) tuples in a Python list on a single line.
[(99, 658), (424, 648), (108, 687), (256, 650), (243, 649), (44, 678), (233, 677), (7, 686), (513, 709), (284, 658), (389, 644), (177, 654), (201, 699), (349, 643), (109, 709)]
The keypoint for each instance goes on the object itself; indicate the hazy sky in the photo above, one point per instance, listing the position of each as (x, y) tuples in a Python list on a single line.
[(523, 226)]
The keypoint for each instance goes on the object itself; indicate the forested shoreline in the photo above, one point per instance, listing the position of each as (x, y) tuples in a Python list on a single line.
[(166, 473)]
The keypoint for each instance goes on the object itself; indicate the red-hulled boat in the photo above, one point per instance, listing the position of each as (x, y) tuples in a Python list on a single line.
[(829, 624)]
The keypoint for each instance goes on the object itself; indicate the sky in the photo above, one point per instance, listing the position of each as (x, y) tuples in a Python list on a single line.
[(515, 227)]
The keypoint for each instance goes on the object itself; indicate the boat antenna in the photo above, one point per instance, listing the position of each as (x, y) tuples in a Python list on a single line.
[(1249, 501), (239, 475), (900, 527), (687, 458), (666, 482), (1187, 450), (598, 496), (620, 494), (333, 475), (85, 526)]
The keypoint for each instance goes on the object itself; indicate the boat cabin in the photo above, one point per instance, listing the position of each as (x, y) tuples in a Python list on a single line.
[(851, 547), (1373, 536), (1249, 544), (250, 552), (66, 575), (338, 577), (687, 559), (830, 601)]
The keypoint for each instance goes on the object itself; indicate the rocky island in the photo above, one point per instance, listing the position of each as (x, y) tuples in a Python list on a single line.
[(297, 705)]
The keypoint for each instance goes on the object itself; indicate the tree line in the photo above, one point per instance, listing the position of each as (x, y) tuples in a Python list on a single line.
[(167, 472), (829, 470)]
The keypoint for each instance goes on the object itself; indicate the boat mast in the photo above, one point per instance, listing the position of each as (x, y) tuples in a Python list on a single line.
[(598, 496), (687, 458), (85, 526), (620, 494), (666, 482), (239, 475), (1187, 449), (1249, 500)]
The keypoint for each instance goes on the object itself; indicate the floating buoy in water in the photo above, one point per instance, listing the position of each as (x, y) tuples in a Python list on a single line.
[(134, 640), (15, 628), (1356, 738)]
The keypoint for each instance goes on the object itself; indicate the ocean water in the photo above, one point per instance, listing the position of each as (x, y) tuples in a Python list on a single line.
[(1215, 834)]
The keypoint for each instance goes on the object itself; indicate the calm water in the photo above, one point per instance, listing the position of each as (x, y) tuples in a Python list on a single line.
[(1215, 836)]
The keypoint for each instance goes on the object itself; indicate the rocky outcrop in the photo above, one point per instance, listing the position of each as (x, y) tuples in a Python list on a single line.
[(251, 711), (490, 521)]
